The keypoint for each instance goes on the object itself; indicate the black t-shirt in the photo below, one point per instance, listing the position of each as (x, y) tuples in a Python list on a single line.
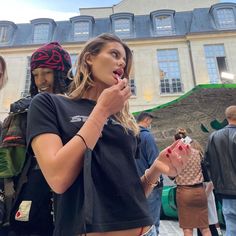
[(107, 195)]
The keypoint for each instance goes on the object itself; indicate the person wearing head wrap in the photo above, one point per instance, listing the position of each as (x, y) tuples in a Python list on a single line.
[(49, 66)]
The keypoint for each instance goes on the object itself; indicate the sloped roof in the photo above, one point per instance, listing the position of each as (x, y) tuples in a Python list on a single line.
[(195, 109), (196, 21)]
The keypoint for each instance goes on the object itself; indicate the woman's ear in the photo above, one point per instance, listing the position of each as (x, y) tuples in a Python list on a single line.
[(88, 58)]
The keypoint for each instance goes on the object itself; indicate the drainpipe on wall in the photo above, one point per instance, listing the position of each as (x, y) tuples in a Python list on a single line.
[(191, 62)]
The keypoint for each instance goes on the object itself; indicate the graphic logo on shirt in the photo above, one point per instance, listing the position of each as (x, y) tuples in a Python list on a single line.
[(78, 118)]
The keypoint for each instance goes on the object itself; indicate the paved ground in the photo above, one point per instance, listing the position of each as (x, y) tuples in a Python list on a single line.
[(171, 228)]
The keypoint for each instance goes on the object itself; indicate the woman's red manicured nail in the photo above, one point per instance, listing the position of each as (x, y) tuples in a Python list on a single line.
[(168, 150), (180, 148), (167, 155)]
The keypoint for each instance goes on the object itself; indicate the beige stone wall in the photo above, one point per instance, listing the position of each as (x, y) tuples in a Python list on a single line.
[(99, 12), (146, 70), (142, 7), (147, 76)]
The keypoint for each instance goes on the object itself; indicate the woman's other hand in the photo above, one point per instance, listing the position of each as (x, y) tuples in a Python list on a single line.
[(173, 159)]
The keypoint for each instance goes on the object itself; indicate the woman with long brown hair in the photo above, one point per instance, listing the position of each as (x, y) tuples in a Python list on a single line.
[(86, 144)]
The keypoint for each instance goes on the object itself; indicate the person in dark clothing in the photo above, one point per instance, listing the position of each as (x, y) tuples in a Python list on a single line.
[(31, 213), (220, 158), (148, 153), (86, 144), (3, 80)]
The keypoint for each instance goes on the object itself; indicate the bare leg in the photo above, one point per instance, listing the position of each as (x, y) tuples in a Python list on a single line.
[(205, 231), (188, 232)]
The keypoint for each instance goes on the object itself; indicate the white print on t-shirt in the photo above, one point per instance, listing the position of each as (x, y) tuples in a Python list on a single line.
[(81, 119), (78, 118)]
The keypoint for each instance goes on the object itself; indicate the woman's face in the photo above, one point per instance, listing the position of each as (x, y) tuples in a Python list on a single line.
[(108, 65), (44, 79)]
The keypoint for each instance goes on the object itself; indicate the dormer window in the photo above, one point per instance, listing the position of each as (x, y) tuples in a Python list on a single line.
[(43, 30), (122, 27), (82, 27), (41, 33), (226, 18), (163, 25), (163, 22), (81, 30), (7, 29), (3, 34), (224, 15), (122, 24)]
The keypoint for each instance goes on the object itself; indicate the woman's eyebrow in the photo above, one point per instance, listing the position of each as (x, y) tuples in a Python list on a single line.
[(116, 50)]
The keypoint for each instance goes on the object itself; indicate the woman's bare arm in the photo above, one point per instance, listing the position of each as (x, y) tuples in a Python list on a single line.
[(62, 164)]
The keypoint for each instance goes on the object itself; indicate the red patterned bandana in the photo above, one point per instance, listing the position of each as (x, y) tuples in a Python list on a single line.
[(51, 56)]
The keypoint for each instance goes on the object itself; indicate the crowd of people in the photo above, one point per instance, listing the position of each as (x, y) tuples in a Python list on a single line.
[(91, 168)]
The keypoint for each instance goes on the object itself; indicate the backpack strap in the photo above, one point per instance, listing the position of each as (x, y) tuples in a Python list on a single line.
[(11, 193), (22, 178)]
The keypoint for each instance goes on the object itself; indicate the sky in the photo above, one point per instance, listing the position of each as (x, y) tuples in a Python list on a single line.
[(23, 11)]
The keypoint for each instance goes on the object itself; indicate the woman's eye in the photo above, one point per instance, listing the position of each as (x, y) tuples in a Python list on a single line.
[(114, 54)]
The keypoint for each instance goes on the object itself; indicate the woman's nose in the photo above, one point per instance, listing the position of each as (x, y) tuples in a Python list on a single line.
[(122, 63)]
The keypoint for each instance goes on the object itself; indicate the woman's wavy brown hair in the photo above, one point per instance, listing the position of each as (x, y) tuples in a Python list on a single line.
[(83, 80)]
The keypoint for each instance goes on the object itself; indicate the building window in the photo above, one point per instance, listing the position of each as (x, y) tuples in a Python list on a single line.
[(122, 24), (170, 80), (132, 85), (224, 15), (226, 18), (3, 34), (26, 89), (7, 30), (43, 29), (41, 33), (82, 27), (163, 22), (163, 25), (216, 62), (122, 28), (81, 30), (74, 58)]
